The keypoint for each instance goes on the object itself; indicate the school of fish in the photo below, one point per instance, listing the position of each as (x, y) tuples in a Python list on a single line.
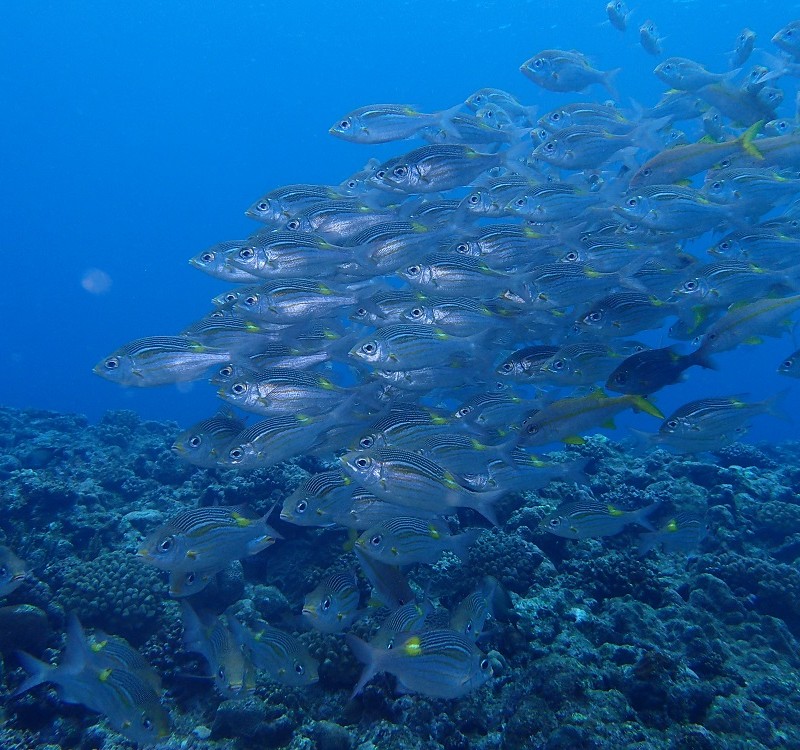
[(429, 324)]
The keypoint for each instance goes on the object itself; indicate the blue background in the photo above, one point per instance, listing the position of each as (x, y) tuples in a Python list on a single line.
[(134, 135)]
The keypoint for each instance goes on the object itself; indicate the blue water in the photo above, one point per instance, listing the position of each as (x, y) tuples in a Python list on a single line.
[(133, 135)]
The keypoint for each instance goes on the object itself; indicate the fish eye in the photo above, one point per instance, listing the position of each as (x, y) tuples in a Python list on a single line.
[(362, 462), (112, 363), (400, 171), (376, 540), (326, 603), (262, 206), (484, 663), (301, 506), (672, 424), (217, 314), (238, 388), (380, 174), (555, 522), (474, 199), (195, 441), (294, 225), (299, 668), (190, 578), (519, 202), (788, 364), (344, 124), (352, 183), (593, 317), (416, 312), (221, 673), (361, 312), (555, 117), (3, 572), (690, 286), (146, 723), (207, 257), (712, 336), (246, 253), (571, 257), (632, 202), (550, 146), (538, 62), (506, 367), (716, 185), (226, 371), (235, 454), (462, 247), (559, 364), (251, 299), (366, 442), (725, 245), (166, 544), (413, 270), (369, 348), (230, 297), (647, 171), (463, 411)]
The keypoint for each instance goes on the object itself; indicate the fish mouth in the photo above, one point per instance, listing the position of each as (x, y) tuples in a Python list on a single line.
[(177, 448), (145, 553), (309, 611)]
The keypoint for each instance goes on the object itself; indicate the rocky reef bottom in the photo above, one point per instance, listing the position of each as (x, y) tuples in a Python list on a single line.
[(606, 648)]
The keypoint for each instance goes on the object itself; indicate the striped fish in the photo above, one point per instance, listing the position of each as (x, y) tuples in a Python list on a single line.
[(216, 262), (318, 500), (284, 658), (276, 439), (207, 538), (211, 637), (291, 301), (278, 390), (436, 663), (403, 427), (338, 221), (406, 478), (159, 360), (284, 254), (588, 518), (404, 540), (407, 346), (205, 442), (278, 204), (390, 245), (449, 274), (333, 605)]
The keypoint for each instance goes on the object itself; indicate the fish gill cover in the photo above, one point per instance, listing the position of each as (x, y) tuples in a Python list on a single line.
[(365, 544)]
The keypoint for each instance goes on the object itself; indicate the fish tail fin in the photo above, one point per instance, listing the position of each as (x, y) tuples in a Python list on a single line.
[(462, 542), (608, 81), (483, 502), (640, 516), (640, 403), (367, 656), (749, 136), (701, 358), (76, 649), (37, 672), (773, 405), (641, 441), (647, 542)]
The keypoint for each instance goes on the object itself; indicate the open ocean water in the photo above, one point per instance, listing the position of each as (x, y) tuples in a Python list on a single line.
[(134, 136)]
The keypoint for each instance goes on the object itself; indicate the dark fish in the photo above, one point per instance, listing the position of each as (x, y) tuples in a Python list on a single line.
[(646, 372)]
